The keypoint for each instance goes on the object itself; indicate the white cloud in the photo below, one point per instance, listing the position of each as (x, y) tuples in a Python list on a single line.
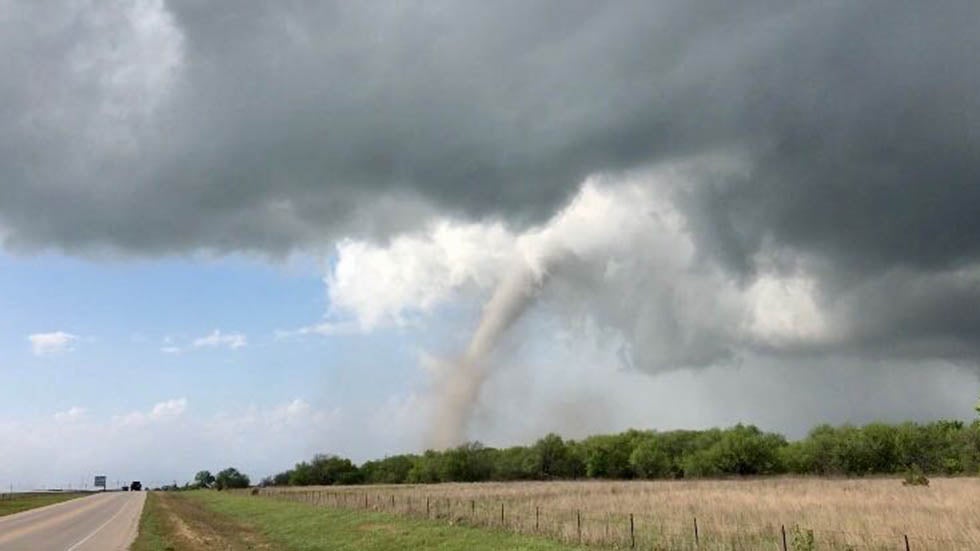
[(45, 344), (325, 329), (619, 254), (784, 310), (233, 341), (72, 415), (170, 350), (168, 409), (161, 411), (414, 273)]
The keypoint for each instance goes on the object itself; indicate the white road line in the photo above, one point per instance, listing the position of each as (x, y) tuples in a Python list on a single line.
[(96, 531)]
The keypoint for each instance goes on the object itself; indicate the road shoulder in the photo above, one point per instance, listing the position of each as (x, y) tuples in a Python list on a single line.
[(172, 520)]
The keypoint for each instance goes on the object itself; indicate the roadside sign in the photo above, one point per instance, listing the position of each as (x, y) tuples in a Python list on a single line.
[(100, 481)]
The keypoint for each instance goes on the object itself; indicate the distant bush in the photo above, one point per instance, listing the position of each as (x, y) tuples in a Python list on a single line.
[(803, 539), (915, 477)]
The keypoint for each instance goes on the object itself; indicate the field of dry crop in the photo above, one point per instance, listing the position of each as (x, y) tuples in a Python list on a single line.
[(816, 513)]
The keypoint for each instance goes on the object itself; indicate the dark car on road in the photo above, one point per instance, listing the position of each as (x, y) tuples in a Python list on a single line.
[(136, 486)]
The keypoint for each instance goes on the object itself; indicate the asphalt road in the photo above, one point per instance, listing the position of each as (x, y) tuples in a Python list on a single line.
[(100, 522)]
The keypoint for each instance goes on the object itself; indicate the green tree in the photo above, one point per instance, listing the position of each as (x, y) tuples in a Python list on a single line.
[(231, 478), (470, 462), (425, 468), (390, 470), (515, 463), (326, 470), (550, 458), (746, 450), (301, 474), (650, 460), (204, 479), (608, 456)]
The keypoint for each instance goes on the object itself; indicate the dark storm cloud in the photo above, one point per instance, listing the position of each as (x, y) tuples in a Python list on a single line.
[(266, 126)]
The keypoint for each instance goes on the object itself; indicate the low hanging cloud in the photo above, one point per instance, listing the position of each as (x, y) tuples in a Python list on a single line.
[(621, 254), (624, 258), (150, 127), (56, 342), (173, 127)]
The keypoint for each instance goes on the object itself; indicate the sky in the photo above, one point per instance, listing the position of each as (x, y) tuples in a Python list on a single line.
[(238, 233)]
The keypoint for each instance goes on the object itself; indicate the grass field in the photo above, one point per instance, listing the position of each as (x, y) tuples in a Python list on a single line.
[(200, 520), (872, 513), (15, 503)]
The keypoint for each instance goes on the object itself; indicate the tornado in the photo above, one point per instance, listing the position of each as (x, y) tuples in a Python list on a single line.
[(580, 233), (459, 389)]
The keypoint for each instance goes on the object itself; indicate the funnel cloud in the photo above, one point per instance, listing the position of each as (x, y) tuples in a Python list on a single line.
[(460, 386)]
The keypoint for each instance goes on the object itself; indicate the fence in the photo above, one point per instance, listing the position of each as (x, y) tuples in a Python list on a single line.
[(609, 530)]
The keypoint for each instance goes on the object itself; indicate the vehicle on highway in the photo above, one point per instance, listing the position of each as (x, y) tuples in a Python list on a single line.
[(136, 486)]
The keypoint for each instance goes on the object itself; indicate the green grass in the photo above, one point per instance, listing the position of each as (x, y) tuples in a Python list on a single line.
[(152, 533), (15, 503), (299, 527)]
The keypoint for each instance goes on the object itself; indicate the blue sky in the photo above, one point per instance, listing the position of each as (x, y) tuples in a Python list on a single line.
[(125, 315), (124, 312)]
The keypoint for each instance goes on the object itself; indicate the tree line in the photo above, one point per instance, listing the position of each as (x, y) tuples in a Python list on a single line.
[(225, 479), (941, 447)]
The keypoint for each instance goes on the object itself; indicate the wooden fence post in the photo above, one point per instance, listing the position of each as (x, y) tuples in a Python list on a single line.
[(426, 506), (782, 528), (501, 514), (907, 542), (632, 534), (697, 537), (578, 523), (537, 517)]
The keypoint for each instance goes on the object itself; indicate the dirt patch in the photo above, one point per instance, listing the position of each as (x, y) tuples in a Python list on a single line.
[(192, 527), (377, 527)]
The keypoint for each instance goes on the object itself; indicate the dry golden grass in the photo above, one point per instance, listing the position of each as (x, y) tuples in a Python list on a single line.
[(872, 513)]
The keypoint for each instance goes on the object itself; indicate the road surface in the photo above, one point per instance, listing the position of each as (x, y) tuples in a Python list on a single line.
[(100, 522)]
